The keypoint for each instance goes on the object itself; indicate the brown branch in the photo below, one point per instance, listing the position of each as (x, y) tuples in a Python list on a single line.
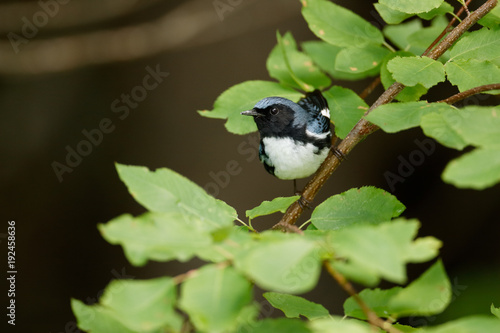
[(369, 89), (191, 23), (363, 128), (371, 316), (70, 15), (474, 91), (447, 29)]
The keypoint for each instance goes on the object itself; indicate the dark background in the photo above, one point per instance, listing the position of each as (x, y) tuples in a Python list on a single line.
[(49, 95)]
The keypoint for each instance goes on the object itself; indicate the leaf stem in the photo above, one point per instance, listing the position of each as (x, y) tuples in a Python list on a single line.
[(467, 93), (363, 128), (371, 316), (303, 224), (388, 46), (248, 226)]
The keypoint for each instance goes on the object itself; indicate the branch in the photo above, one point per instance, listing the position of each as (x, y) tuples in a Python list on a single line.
[(371, 316), (191, 23), (447, 29), (69, 15), (363, 128), (474, 91), (369, 89)]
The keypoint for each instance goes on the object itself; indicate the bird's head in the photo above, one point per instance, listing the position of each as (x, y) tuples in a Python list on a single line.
[(276, 116)]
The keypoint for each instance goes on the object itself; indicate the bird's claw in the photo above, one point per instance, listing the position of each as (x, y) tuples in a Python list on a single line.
[(303, 202), (338, 154)]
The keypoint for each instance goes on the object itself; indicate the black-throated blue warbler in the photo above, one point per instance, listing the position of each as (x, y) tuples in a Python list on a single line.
[(295, 138)]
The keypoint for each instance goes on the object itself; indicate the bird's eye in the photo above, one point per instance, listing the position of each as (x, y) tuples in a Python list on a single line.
[(274, 111)]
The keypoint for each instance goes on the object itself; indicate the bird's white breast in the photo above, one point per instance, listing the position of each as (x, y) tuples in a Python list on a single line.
[(293, 159)]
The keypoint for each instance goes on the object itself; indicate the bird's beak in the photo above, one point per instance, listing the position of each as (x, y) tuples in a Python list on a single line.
[(251, 113)]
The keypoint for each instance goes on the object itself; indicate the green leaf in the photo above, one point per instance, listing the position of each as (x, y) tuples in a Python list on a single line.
[(97, 319), (143, 305), (215, 298), (244, 96), (411, 71), (384, 249), (131, 306), (440, 127), (483, 44), (294, 68), (295, 306), (281, 262), (395, 117), (277, 325), (389, 15), (360, 59), (356, 272), (346, 29), (478, 169), (366, 205), (475, 125), (420, 40), (324, 56), (495, 311), (419, 250), (398, 34), (376, 299), (472, 324), (428, 295), (412, 7), (164, 190), (346, 109), (468, 74), (340, 325), (444, 8), (408, 329), (227, 245), (408, 94), (158, 236), (269, 207)]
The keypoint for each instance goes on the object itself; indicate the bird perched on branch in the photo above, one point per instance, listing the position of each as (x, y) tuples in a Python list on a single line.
[(295, 138)]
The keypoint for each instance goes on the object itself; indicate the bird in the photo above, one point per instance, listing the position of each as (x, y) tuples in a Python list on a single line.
[(295, 138)]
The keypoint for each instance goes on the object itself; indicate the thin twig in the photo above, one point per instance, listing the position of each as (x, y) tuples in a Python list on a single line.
[(363, 128), (447, 29), (467, 93), (371, 316), (369, 89)]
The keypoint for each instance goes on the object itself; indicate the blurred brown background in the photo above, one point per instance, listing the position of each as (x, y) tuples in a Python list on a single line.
[(64, 76)]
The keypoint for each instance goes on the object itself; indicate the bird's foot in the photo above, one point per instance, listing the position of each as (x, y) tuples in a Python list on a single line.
[(338, 154), (303, 202)]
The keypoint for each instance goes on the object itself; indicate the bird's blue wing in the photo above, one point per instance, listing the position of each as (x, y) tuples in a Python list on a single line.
[(317, 108)]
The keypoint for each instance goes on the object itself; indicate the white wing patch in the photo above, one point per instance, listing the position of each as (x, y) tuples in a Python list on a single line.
[(320, 136), (325, 112)]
